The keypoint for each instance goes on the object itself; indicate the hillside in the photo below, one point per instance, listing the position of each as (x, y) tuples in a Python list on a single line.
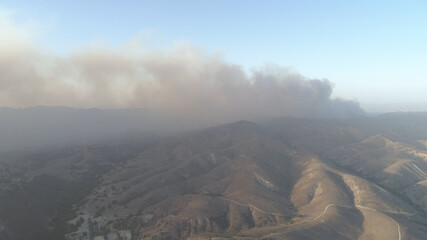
[(278, 179)]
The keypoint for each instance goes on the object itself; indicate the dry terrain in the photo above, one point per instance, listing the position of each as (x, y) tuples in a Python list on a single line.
[(277, 179)]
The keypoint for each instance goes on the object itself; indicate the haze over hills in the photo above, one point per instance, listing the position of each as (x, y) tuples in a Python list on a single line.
[(42, 126), (395, 107), (217, 120), (279, 178), (36, 127)]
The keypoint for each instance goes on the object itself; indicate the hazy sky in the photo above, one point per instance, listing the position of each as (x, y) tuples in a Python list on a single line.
[(372, 51)]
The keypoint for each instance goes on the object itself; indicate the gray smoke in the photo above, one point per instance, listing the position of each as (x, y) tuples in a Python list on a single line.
[(183, 80), (143, 90)]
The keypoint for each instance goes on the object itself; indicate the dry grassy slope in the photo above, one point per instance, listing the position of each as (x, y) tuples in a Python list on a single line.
[(418, 193), (304, 181), (377, 226), (223, 179), (368, 156), (294, 179), (337, 205), (396, 166), (346, 205), (236, 180), (381, 154), (353, 208), (318, 187)]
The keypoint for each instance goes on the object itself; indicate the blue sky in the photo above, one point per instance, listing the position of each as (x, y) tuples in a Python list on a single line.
[(373, 51)]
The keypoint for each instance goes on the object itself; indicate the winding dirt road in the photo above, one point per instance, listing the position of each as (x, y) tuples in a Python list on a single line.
[(252, 206), (304, 224)]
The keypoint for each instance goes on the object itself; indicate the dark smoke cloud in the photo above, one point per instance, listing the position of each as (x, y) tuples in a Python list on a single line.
[(182, 80)]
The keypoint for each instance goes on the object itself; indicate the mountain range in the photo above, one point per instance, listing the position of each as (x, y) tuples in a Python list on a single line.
[(282, 178)]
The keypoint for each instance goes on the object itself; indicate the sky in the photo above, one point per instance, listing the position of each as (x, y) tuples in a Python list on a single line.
[(372, 52)]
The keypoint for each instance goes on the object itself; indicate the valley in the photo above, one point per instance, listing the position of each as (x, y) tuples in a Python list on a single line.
[(283, 178)]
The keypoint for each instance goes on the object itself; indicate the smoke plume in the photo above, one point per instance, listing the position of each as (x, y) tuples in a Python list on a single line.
[(182, 80)]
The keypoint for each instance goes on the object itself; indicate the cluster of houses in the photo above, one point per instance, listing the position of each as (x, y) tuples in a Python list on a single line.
[(118, 235), (91, 228)]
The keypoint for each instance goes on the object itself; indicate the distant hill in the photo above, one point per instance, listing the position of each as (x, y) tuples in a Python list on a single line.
[(35, 127), (283, 178)]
